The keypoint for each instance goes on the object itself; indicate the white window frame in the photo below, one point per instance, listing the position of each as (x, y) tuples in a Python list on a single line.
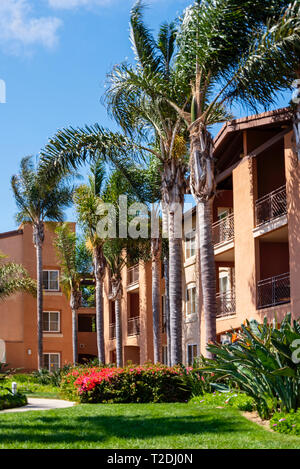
[(190, 238), (49, 330), (190, 286), (51, 289), (49, 355), (187, 353)]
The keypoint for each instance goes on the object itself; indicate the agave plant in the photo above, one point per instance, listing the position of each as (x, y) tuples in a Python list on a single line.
[(264, 362)]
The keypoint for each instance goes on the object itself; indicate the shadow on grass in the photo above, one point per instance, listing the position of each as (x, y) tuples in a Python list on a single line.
[(101, 428)]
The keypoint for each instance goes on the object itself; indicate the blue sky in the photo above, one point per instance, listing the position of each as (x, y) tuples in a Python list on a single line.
[(54, 56)]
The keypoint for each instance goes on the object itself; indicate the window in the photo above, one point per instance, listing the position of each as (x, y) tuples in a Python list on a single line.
[(224, 279), (51, 361), (191, 299), (223, 212), (51, 321), (51, 280), (190, 245), (86, 323), (192, 353)]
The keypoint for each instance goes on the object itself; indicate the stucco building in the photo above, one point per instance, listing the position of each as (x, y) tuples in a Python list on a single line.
[(256, 232)]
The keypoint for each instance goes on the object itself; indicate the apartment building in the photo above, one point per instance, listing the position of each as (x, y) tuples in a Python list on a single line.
[(256, 234), (18, 314), (256, 227)]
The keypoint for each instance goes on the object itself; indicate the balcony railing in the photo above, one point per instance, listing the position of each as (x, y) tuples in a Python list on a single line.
[(271, 206), (225, 304), (273, 291), (223, 230), (133, 326), (112, 331), (133, 275)]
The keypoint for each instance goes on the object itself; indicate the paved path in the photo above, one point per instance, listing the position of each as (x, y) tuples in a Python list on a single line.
[(41, 404)]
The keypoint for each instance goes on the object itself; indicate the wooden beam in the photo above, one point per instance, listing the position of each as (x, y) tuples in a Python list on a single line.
[(227, 172)]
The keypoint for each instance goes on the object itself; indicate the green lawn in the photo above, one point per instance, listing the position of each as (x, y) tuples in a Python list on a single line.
[(30, 386), (149, 426)]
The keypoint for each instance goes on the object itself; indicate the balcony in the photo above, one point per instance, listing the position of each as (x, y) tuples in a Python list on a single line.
[(133, 275), (225, 304), (133, 326), (112, 331), (223, 230), (271, 206), (273, 291)]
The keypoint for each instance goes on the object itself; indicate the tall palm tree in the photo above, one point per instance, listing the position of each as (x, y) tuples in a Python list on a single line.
[(70, 148), (134, 100), (230, 53), (13, 279), (39, 199), (72, 271), (119, 252), (87, 199)]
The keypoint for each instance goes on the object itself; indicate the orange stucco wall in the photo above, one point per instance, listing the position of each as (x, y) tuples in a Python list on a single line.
[(18, 315)]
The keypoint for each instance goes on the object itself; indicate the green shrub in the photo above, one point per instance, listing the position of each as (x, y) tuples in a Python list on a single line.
[(54, 378), (238, 401), (148, 383), (286, 422), (262, 364), (9, 401)]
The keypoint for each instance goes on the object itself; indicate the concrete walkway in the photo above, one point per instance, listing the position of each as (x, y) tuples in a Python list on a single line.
[(41, 404)]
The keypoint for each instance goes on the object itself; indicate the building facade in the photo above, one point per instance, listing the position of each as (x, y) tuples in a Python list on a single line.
[(18, 314), (256, 235)]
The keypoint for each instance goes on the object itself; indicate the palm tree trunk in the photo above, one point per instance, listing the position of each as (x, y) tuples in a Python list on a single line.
[(99, 319), (155, 249), (74, 336), (167, 308), (99, 274), (119, 348), (175, 266), (39, 269), (208, 270), (165, 227)]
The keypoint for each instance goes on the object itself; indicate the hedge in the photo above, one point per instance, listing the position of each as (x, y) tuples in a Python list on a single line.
[(9, 401), (147, 383)]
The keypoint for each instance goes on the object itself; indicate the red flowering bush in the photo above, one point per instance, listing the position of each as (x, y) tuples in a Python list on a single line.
[(147, 383)]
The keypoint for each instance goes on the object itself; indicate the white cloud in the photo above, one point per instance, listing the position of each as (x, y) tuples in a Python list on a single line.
[(70, 4), (19, 27)]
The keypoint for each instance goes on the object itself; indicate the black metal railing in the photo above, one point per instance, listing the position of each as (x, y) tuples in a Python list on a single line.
[(133, 326), (223, 230), (271, 206), (273, 291), (226, 304)]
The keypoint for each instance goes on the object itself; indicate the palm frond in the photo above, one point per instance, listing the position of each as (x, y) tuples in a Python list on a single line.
[(13, 279), (143, 42)]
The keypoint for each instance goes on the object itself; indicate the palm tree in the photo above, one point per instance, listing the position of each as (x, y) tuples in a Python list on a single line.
[(230, 53), (39, 199), (119, 252), (73, 267), (87, 199), (114, 251), (13, 279), (70, 148), (134, 100)]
